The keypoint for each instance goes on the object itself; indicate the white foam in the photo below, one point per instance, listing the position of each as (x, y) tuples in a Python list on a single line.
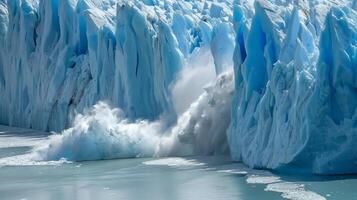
[(9, 137), (174, 162), (231, 171), (27, 160), (102, 133), (10, 142)]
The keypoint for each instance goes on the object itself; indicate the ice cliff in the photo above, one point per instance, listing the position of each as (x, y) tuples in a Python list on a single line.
[(292, 108), (295, 100), (61, 56)]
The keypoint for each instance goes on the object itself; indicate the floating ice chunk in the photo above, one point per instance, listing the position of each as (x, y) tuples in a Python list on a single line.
[(289, 190), (174, 162), (259, 179), (293, 191)]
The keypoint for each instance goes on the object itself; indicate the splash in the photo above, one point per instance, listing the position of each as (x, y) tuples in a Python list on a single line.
[(204, 124), (199, 71), (104, 133)]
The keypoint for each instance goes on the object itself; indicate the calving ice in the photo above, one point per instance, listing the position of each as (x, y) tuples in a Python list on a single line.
[(272, 82)]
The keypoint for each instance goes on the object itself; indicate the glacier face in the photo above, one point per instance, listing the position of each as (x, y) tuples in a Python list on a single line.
[(61, 56), (294, 102)]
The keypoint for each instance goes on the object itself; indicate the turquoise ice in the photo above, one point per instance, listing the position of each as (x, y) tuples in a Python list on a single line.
[(292, 107)]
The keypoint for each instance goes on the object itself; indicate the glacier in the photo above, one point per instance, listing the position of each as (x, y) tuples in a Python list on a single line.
[(294, 107), (271, 82), (75, 53)]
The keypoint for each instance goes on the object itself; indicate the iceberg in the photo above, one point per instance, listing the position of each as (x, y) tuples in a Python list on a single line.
[(272, 82)]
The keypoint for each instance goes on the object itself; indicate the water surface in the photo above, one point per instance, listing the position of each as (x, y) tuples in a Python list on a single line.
[(209, 178)]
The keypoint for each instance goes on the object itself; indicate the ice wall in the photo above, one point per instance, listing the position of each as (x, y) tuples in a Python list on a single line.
[(294, 104), (58, 57), (295, 101)]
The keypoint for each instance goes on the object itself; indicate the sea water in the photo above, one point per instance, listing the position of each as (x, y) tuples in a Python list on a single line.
[(209, 178)]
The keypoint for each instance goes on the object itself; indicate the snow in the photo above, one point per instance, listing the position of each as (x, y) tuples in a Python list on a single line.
[(290, 104)]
